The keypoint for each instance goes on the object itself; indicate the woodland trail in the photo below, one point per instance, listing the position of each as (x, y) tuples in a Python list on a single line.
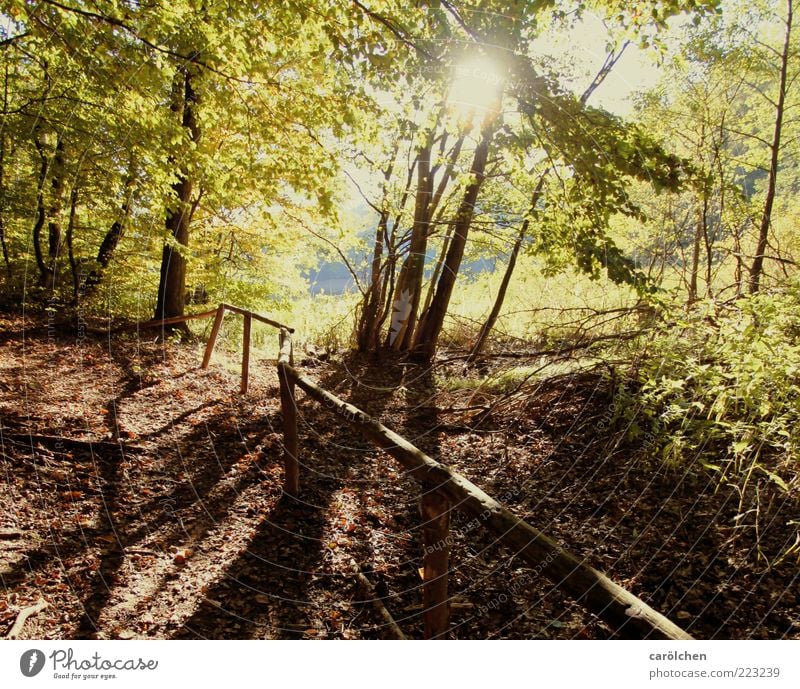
[(183, 532)]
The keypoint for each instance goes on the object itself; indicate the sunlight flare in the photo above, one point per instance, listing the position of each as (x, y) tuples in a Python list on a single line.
[(476, 87)]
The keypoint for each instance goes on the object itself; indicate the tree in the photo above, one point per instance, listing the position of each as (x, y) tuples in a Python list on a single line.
[(551, 123), (779, 105), (480, 342), (180, 116), (715, 106), (172, 283)]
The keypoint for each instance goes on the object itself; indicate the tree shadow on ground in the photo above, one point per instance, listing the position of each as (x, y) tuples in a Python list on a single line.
[(135, 496), (402, 395)]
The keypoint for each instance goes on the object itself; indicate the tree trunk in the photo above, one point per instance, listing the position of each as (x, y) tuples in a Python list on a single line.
[(489, 324), (708, 242), (435, 212), (112, 238), (695, 267), (367, 330), (611, 59), (56, 203), (408, 293), (437, 269), (409, 283), (73, 264), (757, 267), (45, 273), (172, 282), (432, 320), (367, 336), (388, 282), (3, 242), (446, 177)]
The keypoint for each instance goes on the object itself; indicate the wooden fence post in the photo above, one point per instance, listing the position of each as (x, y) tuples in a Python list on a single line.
[(248, 322), (212, 339), (291, 478), (435, 510)]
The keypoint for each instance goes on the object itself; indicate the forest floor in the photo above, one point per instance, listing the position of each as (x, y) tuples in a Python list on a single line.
[(142, 499)]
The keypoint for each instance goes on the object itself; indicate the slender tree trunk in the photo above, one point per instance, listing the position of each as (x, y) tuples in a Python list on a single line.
[(695, 266), (435, 213), (432, 320), (172, 282), (611, 60), (6, 258), (390, 240), (491, 319), (446, 177), (409, 282), (45, 273), (494, 314), (709, 246), (367, 331), (3, 242), (367, 335), (437, 269), (56, 203), (721, 142), (387, 289), (757, 266), (739, 270), (73, 264), (112, 237)]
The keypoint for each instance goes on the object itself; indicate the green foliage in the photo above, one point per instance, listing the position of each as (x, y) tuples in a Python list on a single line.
[(596, 158), (101, 79)]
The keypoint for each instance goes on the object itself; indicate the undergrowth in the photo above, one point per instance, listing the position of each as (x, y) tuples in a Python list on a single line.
[(720, 388)]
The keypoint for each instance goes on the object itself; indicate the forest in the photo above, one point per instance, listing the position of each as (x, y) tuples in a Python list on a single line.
[(370, 319)]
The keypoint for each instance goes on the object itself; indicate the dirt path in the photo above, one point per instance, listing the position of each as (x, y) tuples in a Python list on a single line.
[(170, 524)]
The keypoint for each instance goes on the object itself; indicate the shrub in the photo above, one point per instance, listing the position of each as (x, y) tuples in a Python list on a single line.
[(721, 388)]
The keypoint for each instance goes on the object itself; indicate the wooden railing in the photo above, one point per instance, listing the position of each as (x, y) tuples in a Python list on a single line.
[(442, 491), (249, 317), (219, 315)]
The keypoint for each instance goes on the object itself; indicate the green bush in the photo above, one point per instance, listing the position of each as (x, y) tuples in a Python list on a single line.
[(721, 388)]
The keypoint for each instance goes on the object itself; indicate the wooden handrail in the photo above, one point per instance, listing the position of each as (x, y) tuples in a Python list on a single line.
[(443, 491), (174, 320), (249, 317), (627, 614), (257, 316), (160, 322)]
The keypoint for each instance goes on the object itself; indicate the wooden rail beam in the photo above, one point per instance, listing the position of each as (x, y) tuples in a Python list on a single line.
[(629, 616), (158, 323), (174, 320), (258, 317)]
